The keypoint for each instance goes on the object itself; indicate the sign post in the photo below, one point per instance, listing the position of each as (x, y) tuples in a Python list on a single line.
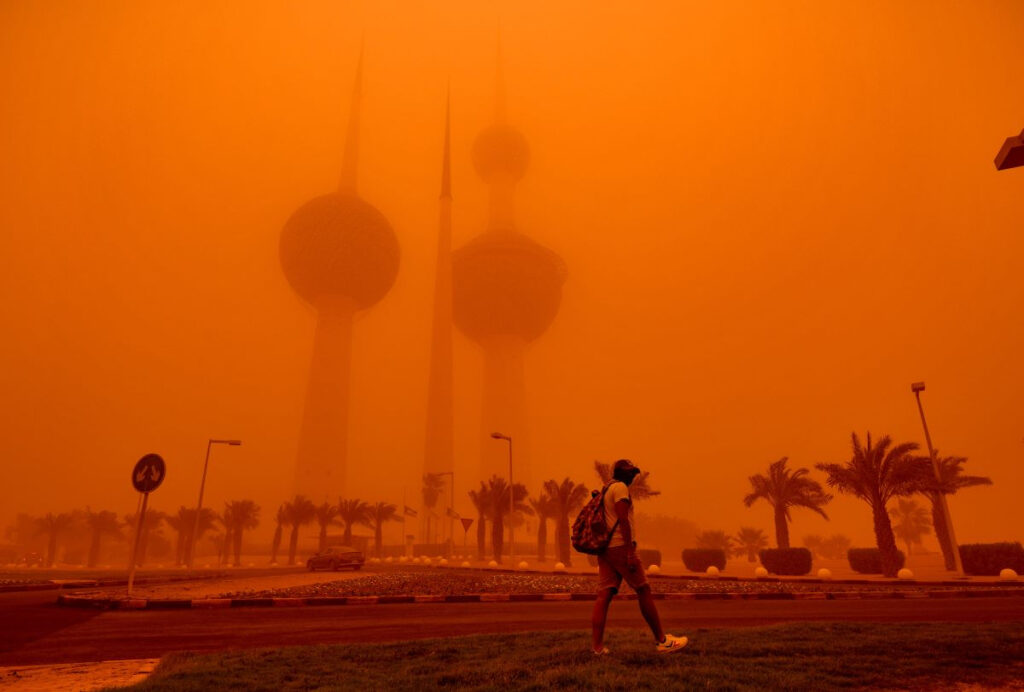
[(147, 476), (466, 523)]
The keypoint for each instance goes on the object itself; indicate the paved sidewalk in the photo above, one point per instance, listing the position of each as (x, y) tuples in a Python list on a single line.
[(81, 677)]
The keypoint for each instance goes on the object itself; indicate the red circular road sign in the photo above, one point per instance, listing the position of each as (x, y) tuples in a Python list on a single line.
[(149, 473)]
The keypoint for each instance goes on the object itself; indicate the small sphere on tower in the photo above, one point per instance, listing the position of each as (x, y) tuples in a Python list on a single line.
[(339, 245), (501, 154)]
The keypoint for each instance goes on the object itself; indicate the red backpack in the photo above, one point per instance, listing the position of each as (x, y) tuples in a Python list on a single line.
[(590, 532)]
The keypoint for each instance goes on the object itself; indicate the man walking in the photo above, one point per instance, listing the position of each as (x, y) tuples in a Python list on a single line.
[(619, 561)]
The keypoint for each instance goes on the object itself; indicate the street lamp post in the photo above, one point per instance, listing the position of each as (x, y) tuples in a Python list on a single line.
[(199, 505), (917, 388), (511, 499)]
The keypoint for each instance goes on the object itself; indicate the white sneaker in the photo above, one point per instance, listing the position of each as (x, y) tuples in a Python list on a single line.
[(671, 643), (603, 651)]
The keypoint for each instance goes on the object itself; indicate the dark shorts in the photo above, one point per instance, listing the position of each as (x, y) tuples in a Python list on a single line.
[(612, 568)]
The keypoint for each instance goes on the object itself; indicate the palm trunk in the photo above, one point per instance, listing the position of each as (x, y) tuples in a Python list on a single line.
[(498, 535), (51, 549), (293, 544), (179, 548), (885, 539), (481, 537), (237, 545), (275, 545), (542, 539), (140, 558), (562, 539), (752, 555), (94, 550), (347, 538), (942, 531), (781, 527), (322, 543), (378, 538), (225, 548)]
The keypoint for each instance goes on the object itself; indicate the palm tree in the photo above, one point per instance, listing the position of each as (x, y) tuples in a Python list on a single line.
[(100, 524), (544, 509), (813, 542), (352, 513), (715, 540), (950, 479), (500, 501), (749, 541), (783, 489), (481, 502), (150, 525), (876, 473), (433, 484), (223, 540), (380, 513), (53, 525), (180, 527), (301, 511), (639, 489), (566, 497), (326, 514), (281, 518), (245, 515), (835, 546), (911, 522)]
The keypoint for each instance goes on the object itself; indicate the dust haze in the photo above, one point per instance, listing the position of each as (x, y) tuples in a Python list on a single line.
[(773, 219)]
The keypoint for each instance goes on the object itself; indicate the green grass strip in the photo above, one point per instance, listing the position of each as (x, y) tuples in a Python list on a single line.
[(926, 656)]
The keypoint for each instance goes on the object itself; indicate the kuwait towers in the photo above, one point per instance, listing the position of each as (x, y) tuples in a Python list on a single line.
[(506, 290), (341, 256)]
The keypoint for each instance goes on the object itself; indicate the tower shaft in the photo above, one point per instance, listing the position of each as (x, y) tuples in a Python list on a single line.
[(323, 440), (503, 409)]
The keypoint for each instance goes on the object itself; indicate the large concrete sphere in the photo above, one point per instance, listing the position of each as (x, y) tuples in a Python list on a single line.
[(505, 284), (501, 154), (339, 245)]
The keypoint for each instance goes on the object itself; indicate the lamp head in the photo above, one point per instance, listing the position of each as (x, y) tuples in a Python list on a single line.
[(1011, 155), (917, 387), (499, 436)]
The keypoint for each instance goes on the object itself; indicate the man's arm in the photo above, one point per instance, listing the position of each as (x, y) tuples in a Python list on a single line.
[(622, 513)]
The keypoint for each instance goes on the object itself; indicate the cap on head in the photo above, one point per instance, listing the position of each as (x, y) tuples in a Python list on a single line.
[(624, 471)]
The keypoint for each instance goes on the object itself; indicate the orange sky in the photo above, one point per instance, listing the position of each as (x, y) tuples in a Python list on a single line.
[(775, 216)]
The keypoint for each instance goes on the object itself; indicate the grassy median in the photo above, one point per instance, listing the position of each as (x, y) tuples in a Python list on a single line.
[(928, 656)]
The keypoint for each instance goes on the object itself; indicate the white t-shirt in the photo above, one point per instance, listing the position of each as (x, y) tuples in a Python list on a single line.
[(617, 491)]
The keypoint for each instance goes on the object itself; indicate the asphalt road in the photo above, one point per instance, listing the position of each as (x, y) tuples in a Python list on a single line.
[(35, 631)]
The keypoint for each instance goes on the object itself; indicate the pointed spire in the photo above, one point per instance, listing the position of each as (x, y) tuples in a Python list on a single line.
[(499, 103), (446, 166), (350, 162)]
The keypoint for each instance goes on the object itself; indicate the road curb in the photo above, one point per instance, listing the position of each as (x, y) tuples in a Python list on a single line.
[(71, 601), (58, 584)]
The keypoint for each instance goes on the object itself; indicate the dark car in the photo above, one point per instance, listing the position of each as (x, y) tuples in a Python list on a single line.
[(336, 557)]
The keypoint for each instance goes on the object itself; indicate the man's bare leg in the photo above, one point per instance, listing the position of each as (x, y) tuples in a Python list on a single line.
[(650, 612), (600, 616)]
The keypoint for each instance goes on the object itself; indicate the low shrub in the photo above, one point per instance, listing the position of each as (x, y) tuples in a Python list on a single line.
[(869, 560), (788, 561), (986, 559), (649, 556), (429, 549), (699, 559)]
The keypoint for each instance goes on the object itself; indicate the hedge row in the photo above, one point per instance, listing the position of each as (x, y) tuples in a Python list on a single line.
[(699, 559), (786, 561), (987, 559), (869, 560)]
